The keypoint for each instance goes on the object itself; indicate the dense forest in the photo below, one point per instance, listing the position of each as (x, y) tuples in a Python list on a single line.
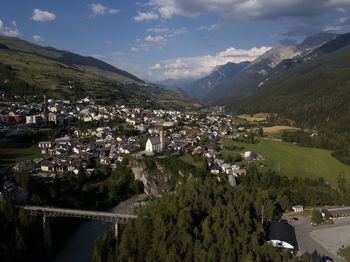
[(342, 155), (208, 220), (19, 236)]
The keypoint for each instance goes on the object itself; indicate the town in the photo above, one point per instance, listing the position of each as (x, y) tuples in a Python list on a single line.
[(105, 135)]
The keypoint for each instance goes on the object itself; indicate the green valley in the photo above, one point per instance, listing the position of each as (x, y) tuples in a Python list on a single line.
[(294, 160)]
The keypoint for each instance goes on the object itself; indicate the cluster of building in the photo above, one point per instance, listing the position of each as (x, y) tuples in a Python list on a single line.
[(120, 130)]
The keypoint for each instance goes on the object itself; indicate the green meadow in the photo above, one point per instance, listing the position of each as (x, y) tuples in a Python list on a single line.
[(13, 155), (293, 160)]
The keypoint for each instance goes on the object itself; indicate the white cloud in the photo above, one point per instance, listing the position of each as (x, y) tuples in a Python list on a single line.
[(211, 27), (168, 32), (247, 9), (134, 49), (158, 39), (113, 11), (99, 9), (148, 16), (155, 67), (38, 38), (199, 66), (9, 31), (157, 30), (43, 16), (150, 42)]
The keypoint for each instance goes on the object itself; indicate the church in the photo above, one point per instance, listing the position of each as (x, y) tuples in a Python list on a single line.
[(155, 144)]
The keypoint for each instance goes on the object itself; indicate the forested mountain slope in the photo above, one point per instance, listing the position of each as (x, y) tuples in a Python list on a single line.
[(315, 93), (201, 87)]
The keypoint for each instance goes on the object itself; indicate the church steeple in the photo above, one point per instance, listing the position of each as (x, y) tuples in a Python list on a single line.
[(161, 138)]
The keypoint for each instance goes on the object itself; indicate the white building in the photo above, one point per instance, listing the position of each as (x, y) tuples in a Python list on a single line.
[(155, 144), (298, 208)]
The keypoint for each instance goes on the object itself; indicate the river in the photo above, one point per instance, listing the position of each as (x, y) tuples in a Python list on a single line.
[(80, 245)]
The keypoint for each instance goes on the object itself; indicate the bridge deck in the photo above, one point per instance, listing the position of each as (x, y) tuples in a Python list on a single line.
[(88, 214)]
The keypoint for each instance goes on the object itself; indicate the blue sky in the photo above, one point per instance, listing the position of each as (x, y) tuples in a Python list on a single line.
[(157, 39)]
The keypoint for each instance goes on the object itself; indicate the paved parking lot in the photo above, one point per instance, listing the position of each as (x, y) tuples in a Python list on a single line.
[(320, 241), (333, 238)]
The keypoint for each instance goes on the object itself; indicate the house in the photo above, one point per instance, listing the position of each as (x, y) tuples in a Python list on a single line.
[(33, 119), (339, 212), (298, 208), (281, 235), (215, 169), (45, 144), (250, 155), (46, 166)]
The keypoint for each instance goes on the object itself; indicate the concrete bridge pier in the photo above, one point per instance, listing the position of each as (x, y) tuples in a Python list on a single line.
[(47, 232), (116, 231)]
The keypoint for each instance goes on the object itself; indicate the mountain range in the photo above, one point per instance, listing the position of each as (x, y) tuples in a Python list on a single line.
[(233, 80), (313, 90), (27, 68), (252, 77)]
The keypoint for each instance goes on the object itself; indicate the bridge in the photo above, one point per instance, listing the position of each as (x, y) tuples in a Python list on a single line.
[(77, 213), (49, 212)]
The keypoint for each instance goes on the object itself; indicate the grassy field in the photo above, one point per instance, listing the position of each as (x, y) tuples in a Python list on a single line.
[(254, 118), (277, 130), (13, 155), (293, 160), (345, 253)]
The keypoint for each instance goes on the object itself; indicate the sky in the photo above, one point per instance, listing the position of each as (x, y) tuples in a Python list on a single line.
[(159, 39)]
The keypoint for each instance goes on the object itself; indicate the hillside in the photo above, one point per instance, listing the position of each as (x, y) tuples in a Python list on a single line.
[(315, 93), (201, 87), (29, 69)]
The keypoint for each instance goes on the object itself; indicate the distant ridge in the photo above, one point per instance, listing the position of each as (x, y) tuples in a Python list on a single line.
[(30, 69), (61, 56)]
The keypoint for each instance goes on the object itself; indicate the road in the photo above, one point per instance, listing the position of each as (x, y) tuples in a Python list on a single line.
[(308, 237)]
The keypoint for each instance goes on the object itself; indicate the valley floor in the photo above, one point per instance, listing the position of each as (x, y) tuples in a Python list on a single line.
[(293, 160)]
